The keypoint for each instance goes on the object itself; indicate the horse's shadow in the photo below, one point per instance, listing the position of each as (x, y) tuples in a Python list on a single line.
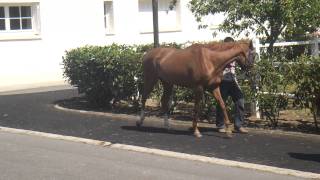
[(157, 130), (306, 157), (189, 132)]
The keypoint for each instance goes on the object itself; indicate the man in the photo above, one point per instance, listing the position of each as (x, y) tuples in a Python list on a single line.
[(230, 87)]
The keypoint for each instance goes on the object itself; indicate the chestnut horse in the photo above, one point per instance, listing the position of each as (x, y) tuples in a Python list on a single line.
[(199, 67)]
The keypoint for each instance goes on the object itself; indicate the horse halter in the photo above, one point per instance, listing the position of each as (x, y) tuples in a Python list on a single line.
[(251, 58)]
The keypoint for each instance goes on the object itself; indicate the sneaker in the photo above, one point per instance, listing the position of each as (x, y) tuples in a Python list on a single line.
[(241, 130), (221, 130)]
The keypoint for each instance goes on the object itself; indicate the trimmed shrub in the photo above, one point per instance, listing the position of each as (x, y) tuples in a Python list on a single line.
[(104, 74), (306, 77), (108, 74), (273, 87)]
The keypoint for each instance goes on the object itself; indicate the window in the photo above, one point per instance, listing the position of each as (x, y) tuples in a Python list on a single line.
[(213, 21), (19, 18), (108, 17), (2, 19), (169, 20)]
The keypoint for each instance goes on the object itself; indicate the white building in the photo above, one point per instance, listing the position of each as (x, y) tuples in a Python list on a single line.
[(34, 34)]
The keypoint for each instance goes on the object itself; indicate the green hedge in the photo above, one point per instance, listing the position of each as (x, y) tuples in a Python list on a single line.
[(279, 77), (104, 73), (107, 74), (306, 76)]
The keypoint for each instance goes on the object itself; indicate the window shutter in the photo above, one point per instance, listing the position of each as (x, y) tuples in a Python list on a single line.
[(36, 18)]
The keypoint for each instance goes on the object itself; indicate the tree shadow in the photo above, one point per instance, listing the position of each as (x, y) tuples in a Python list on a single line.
[(306, 157)]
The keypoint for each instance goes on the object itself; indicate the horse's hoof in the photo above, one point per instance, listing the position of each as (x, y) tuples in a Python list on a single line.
[(138, 124), (166, 126), (228, 130), (229, 134), (169, 130), (197, 135)]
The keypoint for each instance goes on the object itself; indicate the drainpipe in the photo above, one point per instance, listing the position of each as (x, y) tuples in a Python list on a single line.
[(155, 23)]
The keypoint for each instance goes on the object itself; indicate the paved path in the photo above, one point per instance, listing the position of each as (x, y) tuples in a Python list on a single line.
[(31, 157), (36, 112)]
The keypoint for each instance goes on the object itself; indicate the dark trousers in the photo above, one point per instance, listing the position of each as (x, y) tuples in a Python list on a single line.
[(231, 88)]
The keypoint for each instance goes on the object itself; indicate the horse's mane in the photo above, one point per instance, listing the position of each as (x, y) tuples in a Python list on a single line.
[(214, 45)]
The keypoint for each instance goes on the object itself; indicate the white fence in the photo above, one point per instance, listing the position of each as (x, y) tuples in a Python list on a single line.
[(314, 51)]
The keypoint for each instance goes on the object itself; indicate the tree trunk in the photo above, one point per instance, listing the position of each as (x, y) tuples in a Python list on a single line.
[(315, 120), (314, 112), (271, 40), (318, 106)]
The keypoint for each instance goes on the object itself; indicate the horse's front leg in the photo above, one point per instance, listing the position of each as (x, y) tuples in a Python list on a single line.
[(217, 95), (142, 115), (198, 97), (149, 81)]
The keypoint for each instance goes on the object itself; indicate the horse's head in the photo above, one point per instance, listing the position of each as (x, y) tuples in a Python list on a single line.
[(246, 59)]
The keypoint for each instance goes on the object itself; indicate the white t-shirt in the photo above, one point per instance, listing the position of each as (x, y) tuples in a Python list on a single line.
[(229, 73)]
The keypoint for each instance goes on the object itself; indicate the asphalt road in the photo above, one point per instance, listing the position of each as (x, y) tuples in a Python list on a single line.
[(30, 157), (35, 111)]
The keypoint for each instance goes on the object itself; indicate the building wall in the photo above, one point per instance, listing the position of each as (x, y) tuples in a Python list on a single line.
[(66, 24)]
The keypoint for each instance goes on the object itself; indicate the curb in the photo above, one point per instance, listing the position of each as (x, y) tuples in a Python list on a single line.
[(35, 89), (210, 160), (183, 123), (55, 136), (213, 160), (124, 116)]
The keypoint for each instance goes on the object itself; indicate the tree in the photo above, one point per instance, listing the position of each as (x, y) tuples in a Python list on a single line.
[(269, 18), (305, 74)]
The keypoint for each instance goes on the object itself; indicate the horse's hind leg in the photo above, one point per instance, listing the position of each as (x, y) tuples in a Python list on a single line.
[(217, 95), (166, 102), (149, 82), (198, 96)]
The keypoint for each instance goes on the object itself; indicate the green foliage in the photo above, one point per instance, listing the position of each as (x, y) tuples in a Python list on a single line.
[(269, 18), (104, 73), (278, 78), (301, 16), (109, 73), (272, 82), (307, 79)]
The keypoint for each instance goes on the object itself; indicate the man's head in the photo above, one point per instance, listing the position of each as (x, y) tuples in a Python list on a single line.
[(228, 39)]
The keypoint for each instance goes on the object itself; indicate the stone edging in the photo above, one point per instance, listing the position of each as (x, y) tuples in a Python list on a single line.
[(183, 123)]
